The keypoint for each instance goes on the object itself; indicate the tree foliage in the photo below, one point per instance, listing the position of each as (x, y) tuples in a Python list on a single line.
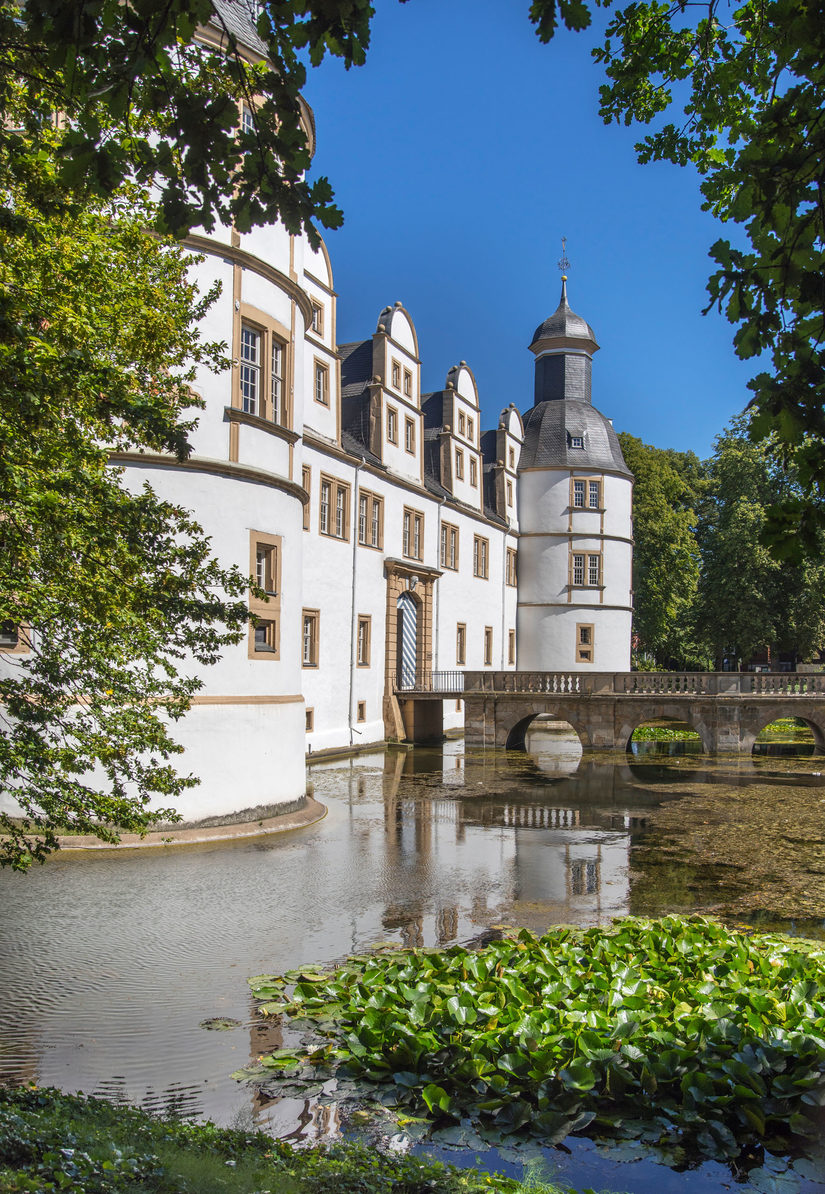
[(747, 599), (111, 590), (666, 559), (141, 99), (749, 81)]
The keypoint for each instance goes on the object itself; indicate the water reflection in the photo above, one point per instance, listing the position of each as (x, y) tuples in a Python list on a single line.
[(109, 963)]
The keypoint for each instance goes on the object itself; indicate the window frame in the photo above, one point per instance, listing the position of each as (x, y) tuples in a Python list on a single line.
[(267, 613), (473, 472), (317, 323), (408, 382), (272, 408), (313, 617), (511, 648), (481, 557), (309, 719), (392, 425), (374, 505), (321, 372), (412, 533), (363, 658), (409, 435), (361, 711), (395, 375), (587, 483), (488, 646), (337, 487), (448, 546), (461, 644), (306, 482), (511, 567), (459, 464), (585, 642), (585, 582)]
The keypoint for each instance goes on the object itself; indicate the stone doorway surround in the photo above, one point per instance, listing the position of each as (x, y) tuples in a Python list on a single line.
[(415, 578)]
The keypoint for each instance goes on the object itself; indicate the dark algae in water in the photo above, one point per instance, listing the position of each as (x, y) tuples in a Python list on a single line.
[(691, 1037)]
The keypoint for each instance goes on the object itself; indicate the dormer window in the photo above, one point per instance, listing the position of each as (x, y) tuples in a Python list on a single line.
[(575, 441)]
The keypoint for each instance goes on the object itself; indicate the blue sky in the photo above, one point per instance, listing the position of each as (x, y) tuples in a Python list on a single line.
[(461, 153)]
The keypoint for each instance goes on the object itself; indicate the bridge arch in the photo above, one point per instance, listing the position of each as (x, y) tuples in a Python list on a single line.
[(517, 734), (760, 722), (665, 712)]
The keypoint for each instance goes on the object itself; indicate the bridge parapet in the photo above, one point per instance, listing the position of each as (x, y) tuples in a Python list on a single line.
[(647, 683)]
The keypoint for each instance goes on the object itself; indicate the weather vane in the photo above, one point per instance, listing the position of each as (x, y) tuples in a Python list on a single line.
[(564, 264)]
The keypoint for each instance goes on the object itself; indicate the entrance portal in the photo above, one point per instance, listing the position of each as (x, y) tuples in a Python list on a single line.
[(407, 640)]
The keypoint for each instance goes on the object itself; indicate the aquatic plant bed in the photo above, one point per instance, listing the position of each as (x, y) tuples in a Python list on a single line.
[(55, 1142), (681, 1033)]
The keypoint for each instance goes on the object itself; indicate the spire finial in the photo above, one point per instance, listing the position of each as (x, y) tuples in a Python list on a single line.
[(564, 266)]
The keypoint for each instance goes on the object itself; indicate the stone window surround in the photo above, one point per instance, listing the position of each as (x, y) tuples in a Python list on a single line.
[(268, 612)]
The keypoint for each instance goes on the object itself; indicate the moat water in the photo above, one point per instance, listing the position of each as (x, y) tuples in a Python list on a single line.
[(111, 963)]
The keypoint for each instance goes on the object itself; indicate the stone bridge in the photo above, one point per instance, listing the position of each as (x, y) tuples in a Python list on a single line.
[(726, 709)]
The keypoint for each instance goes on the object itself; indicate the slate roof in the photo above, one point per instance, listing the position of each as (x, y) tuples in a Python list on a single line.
[(548, 427), (240, 18), (563, 323)]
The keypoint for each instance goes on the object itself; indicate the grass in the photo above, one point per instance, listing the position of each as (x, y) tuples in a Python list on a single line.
[(51, 1141)]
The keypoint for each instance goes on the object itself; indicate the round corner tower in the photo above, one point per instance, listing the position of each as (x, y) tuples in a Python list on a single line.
[(575, 509)]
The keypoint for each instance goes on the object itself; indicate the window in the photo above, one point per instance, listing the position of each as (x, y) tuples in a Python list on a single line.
[(584, 642), (362, 710), (462, 423), (449, 546), (461, 643), (317, 324), (511, 457), (509, 493), (473, 471), (310, 720), (321, 383), (459, 464), (396, 375), (585, 569), (9, 636), (586, 493), (265, 569), (481, 555), (364, 637), (309, 638), (262, 370), (247, 120), (276, 381), (250, 369), (511, 646), (470, 428), (408, 383), (510, 567), (370, 519), (333, 508), (266, 636), (392, 425), (575, 441), (306, 481), (488, 645), (413, 537), (409, 435)]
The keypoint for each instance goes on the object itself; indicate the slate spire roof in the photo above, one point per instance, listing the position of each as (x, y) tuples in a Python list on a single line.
[(564, 324)]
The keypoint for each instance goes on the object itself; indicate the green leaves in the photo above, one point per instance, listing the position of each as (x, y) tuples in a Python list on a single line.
[(112, 588), (748, 1061)]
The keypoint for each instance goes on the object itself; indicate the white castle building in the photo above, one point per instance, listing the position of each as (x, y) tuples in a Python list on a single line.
[(392, 534)]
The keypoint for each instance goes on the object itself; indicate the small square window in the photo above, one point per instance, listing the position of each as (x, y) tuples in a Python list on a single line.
[(309, 715), (576, 441), (266, 636), (362, 710)]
